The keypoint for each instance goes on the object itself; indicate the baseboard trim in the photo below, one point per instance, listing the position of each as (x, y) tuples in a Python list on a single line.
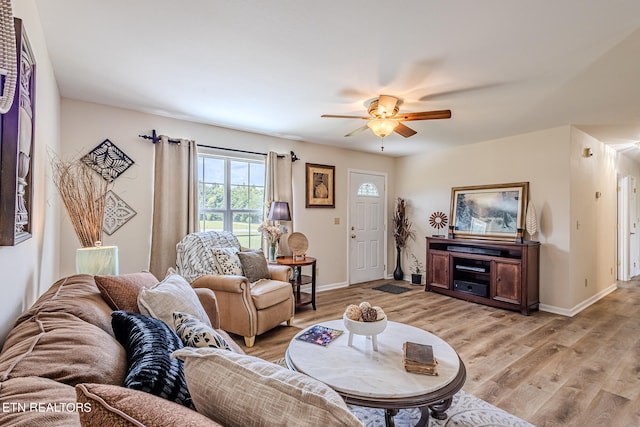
[(578, 308), (327, 287)]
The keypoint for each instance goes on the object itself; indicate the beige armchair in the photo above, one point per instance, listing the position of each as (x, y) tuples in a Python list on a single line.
[(244, 309)]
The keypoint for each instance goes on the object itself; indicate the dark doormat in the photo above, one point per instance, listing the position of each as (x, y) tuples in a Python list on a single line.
[(392, 289)]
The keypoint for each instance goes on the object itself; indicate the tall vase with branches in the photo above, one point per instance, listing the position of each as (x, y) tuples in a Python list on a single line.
[(83, 193), (402, 232)]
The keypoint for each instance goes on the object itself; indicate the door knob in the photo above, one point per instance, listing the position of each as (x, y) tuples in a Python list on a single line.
[(353, 236)]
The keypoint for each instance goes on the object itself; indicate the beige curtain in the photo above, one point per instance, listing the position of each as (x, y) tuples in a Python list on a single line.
[(279, 187), (175, 201)]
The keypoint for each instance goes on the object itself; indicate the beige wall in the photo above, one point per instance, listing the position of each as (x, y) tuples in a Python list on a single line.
[(592, 220), (84, 125), (30, 267), (577, 231)]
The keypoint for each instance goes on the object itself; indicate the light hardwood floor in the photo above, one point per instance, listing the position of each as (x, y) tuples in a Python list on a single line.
[(547, 369)]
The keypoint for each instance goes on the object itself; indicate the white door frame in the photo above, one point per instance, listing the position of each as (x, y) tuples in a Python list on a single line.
[(385, 216), (627, 253)]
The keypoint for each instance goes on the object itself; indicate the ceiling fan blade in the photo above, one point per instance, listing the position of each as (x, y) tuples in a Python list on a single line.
[(424, 115), (405, 131), (334, 116), (387, 104), (357, 131), (465, 90)]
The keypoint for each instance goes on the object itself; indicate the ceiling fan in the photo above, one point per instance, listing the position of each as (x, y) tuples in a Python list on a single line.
[(384, 117)]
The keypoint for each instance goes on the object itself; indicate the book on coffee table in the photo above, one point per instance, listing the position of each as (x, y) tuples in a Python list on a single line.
[(419, 358), (321, 335)]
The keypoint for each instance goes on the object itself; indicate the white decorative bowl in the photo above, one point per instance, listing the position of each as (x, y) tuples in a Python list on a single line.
[(365, 328)]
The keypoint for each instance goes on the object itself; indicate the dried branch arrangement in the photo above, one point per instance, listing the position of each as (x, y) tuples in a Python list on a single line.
[(83, 193), (402, 227)]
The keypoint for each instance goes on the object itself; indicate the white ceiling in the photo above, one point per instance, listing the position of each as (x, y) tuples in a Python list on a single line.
[(503, 67)]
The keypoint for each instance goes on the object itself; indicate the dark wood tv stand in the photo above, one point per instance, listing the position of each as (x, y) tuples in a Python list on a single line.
[(496, 273)]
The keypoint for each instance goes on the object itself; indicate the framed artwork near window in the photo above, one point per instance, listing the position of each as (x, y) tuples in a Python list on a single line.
[(489, 211), (320, 186), (16, 149)]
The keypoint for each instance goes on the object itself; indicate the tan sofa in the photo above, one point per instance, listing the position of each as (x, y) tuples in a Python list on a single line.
[(61, 365), (246, 309), (66, 340)]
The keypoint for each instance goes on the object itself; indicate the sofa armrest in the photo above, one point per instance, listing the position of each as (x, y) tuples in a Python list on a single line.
[(210, 304), (280, 272)]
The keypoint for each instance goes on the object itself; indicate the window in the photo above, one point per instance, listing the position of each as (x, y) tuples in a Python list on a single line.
[(231, 196), (368, 189)]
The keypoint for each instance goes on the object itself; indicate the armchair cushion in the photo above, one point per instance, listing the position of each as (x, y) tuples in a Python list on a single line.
[(254, 265), (171, 295), (267, 293)]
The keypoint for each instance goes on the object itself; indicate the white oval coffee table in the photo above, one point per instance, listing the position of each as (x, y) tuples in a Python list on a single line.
[(377, 379)]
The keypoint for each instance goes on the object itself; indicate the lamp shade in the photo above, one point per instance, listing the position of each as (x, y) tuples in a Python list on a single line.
[(279, 211), (382, 127)]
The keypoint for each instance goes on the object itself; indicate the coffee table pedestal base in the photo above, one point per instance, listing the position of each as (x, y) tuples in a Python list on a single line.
[(437, 411)]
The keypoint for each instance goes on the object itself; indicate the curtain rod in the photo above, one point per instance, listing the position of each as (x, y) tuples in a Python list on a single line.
[(155, 139)]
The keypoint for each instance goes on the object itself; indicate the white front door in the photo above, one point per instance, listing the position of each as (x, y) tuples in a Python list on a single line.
[(367, 251)]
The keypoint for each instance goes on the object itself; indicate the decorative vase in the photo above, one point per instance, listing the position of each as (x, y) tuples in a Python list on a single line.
[(398, 274), (531, 220), (272, 252), (98, 260)]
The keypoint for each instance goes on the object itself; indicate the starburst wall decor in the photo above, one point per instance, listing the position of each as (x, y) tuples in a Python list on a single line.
[(108, 160)]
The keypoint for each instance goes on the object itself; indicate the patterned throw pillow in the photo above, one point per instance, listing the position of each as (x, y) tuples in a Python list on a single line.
[(227, 261), (194, 333), (149, 343)]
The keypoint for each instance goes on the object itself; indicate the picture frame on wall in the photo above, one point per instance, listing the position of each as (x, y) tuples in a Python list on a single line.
[(489, 211), (320, 186), (17, 149)]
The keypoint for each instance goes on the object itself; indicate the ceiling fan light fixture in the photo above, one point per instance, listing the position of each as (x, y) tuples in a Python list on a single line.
[(382, 127)]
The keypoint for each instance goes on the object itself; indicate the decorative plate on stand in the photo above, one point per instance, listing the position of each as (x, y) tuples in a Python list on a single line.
[(298, 243)]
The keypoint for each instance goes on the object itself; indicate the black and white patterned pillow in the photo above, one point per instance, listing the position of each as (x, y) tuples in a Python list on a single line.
[(195, 333), (149, 343), (227, 261)]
